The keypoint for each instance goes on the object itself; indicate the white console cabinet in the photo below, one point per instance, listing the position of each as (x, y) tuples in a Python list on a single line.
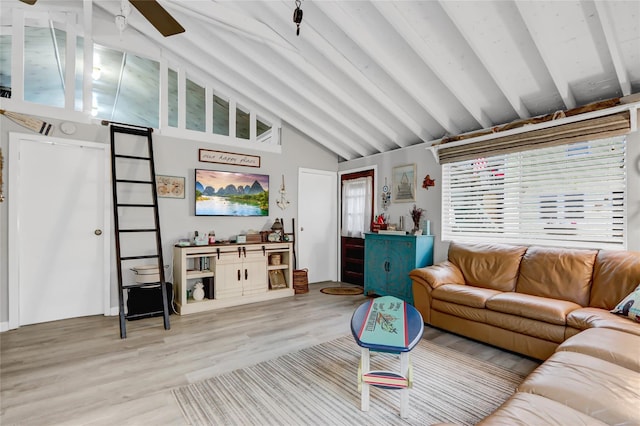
[(232, 274)]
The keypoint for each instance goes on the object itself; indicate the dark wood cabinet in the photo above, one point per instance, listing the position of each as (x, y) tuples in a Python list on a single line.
[(352, 260)]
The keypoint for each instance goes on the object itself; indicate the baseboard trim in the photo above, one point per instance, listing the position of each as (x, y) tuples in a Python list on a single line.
[(114, 311), (4, 326)]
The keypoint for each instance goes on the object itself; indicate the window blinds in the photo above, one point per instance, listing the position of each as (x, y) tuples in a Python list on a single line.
[(595, 128), (568, 195)]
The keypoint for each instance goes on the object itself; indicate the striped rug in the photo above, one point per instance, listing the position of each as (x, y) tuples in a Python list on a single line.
[(317, 386)]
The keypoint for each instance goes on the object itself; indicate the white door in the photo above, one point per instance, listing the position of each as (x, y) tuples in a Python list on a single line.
[(318, 224), (58, 198)]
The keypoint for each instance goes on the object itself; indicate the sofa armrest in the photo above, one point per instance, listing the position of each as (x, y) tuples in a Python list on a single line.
[(425, 280), (436, 275)]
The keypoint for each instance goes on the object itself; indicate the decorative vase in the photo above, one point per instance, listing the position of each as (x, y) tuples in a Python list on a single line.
[(198, 291)]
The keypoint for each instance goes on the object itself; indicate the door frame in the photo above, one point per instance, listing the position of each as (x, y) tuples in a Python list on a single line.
[(13, 263), (373, 167)]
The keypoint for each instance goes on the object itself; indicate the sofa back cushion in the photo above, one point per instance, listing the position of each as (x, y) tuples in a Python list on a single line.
[(493, 266), (557, 273), (615, 275)]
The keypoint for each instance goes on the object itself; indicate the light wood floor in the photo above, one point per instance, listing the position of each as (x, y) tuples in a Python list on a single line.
[(79, 371)]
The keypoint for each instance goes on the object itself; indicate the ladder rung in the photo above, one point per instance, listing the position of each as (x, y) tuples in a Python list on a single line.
[(150, 256), (144, 315), (136, 205), (132, 157), (138, 230), (133, 181), (138, 285)]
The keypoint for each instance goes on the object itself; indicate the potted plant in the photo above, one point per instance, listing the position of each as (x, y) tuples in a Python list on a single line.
[(416, 215)]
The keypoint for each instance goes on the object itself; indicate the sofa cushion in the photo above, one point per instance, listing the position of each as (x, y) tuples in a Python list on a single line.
[(598, 388), (557, 273), (476, 297), (607, 344), (544, 309), (460, 311), (629, 306), (528, 327), (528, 409), (492, 266), (615, 274), (585, 318)]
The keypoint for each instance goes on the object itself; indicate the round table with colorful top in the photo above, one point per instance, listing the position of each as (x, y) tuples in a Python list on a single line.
[(389, 325)]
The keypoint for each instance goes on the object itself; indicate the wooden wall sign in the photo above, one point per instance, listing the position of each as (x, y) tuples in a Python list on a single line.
[(208, 156)]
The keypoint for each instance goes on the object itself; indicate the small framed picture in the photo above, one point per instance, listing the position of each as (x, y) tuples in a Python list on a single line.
[(403, 189), (277, 280), (170, 186)]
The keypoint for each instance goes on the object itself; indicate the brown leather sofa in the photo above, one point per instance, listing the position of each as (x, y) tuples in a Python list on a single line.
[(546, 303), (525, 299)]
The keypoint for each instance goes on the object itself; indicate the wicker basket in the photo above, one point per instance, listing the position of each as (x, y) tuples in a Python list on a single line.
[(300, 281)]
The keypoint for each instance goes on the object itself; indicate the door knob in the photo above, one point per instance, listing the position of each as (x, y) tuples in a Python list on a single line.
[(98, 232), (301, 229)]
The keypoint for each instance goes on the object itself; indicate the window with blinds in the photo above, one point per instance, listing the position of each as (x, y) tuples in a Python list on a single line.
[(568, 195)]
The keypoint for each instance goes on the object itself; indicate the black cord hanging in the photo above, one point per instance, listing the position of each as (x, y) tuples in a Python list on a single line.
[(297, 16)]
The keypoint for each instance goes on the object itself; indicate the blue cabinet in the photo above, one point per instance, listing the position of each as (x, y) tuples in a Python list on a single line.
[(389, 259)]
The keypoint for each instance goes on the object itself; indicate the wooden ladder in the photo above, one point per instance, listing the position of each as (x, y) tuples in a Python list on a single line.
[(139, 190)]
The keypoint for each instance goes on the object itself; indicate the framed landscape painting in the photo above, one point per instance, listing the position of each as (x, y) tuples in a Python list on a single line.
[(220, 193)]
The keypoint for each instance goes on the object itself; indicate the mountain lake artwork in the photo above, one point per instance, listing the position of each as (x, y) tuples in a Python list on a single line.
[(231, 193)]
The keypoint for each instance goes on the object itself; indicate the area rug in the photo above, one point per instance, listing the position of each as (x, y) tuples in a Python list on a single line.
[(318, 385), (342, 291)]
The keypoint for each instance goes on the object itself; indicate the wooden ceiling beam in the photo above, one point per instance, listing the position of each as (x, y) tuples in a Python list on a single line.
[(528, 15), (608, 28), (480, 50), (317, 74), (251, 63), (341, 16), (313, 41), (461, 86)]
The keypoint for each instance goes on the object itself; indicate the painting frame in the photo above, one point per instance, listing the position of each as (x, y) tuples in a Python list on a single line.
[(170, 186), (230, 193), (230, 158), (403, 181)]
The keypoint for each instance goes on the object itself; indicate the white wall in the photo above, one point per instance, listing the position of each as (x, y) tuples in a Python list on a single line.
[(179, 157)]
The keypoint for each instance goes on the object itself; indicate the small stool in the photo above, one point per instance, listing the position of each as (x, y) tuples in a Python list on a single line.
[(386, 324)]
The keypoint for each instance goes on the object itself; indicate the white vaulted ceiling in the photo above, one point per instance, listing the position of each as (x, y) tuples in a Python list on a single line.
[(371, 76)]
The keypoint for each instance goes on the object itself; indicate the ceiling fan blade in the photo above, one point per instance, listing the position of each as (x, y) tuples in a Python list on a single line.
[(157, 16), (29, 2)]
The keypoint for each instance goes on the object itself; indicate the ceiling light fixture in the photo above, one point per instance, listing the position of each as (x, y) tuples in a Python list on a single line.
[(297, 16)]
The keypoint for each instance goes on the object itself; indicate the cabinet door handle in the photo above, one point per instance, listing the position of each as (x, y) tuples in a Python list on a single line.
[(239, 275), (244, 251), (239, 252), (246, 274)]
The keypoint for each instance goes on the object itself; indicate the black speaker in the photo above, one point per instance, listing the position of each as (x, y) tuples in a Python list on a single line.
[(146, 302)]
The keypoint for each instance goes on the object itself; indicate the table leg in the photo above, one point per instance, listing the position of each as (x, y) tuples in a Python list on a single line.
[(404, 393), (364, 397)]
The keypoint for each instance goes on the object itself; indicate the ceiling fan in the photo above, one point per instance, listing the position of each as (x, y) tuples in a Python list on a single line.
[(154, 13)]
